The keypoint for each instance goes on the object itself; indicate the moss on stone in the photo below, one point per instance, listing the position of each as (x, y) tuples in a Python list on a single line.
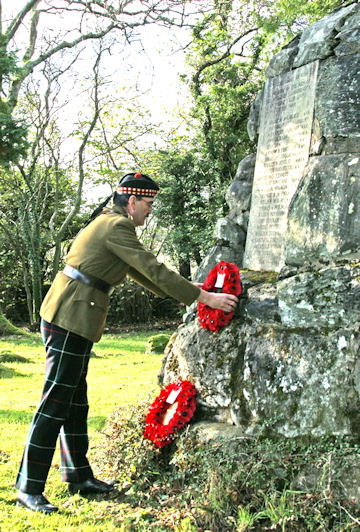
[(258, 277)]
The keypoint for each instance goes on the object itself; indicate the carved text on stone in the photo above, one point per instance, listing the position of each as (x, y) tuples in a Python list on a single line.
[(283, 150)]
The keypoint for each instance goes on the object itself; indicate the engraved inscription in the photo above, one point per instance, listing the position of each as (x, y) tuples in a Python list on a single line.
[(283, 150)]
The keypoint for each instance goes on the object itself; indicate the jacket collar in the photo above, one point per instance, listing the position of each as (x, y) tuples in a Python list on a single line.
[(118, 210)]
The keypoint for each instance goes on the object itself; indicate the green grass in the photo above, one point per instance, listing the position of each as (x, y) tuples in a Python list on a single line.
[(119, 374), (184, 487)]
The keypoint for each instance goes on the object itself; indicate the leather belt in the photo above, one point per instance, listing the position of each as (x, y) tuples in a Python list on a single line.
[(90, 280)]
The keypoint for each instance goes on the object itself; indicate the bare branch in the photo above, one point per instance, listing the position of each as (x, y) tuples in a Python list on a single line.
[(32, 37), (108, 148), (126, 16), (29, 67), (354, 519), (81, 153), (14, 25), (211, 62)]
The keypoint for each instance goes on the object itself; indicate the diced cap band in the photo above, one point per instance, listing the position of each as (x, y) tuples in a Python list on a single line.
[(136, 191), (137, 184)]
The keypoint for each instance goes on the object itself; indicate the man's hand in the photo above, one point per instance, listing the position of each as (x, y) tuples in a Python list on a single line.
[(225, 302)]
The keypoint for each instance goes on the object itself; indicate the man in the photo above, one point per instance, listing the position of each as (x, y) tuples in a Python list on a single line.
[(73, 317)]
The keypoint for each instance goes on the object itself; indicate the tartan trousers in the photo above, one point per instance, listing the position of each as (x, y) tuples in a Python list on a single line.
[(62, 411)]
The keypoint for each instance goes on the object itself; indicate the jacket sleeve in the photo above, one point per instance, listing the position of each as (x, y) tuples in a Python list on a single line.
[(123, 242), (146, 283)]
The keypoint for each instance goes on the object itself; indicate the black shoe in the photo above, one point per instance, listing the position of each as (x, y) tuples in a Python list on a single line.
[(36, 503), (91, 485)]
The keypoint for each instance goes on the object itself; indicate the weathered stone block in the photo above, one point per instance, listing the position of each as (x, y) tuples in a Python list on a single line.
[(240, 218), (215, 255), (349, 35), (207, 359), (254, 117), (319, 40), (350, 43), (337, 102), (263, 304), (229, 231), (301, 384), (214, 432), (324, 217), (238, 195), (283, 61), (351, 22), (335, 145), (329, 298)]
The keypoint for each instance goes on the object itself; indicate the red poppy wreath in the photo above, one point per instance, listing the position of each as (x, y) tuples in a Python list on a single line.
[(170, 412), (224, 277)]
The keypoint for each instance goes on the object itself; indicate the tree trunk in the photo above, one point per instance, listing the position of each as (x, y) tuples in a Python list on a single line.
[(185, 268), (36, 289), (197, 255), (27, 291)]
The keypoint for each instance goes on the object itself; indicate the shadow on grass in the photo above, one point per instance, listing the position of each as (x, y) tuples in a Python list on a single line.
[(7, 501), (9, 356), (8, 373)]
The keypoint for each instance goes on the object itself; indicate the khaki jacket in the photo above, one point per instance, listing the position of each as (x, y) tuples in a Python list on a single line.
[(109, 249)]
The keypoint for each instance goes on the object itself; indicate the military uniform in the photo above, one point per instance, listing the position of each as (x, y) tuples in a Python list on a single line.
[(109, 249), (73, 317)]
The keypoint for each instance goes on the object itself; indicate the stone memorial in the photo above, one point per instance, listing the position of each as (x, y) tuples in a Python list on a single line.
[(288, 365)]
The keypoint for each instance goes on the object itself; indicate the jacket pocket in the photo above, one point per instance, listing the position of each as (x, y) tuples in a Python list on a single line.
[(90, 308)]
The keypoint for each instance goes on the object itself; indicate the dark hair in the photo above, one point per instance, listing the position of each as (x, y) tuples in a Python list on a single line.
[(121, 200), (98, 210)]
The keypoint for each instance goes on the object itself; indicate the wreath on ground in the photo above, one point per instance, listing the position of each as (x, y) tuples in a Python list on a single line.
[(170, 412), (224, 277)]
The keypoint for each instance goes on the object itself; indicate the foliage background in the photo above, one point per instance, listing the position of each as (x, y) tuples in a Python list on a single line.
[(49, 166)]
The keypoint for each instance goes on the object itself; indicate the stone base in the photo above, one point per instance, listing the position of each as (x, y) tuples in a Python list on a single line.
[(287, 365), (208, 431)]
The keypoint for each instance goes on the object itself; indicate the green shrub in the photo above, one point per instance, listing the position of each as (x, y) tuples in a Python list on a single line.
[(6, 327), (239, 485), (131, 303), (157, 343)]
